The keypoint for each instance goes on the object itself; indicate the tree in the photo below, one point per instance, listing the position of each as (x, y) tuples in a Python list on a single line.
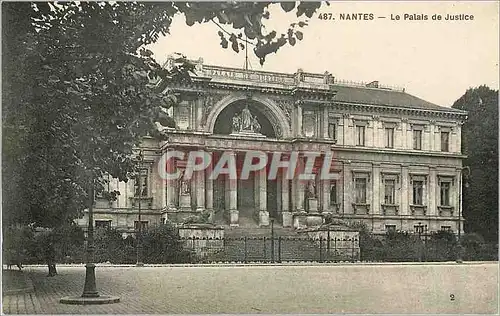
[(480, 144), (78, 93)]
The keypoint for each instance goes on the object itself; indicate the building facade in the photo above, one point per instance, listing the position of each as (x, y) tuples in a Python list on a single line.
[(397, 158)]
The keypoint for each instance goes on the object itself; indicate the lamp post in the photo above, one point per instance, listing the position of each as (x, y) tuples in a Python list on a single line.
[(462, 176), (90, 294), (89, 289), (139, 262)]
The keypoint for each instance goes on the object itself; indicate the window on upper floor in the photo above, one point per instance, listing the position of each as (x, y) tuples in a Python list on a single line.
[(445, 141), (360, 186), (444, 193), (418, 189), (141, 184), (332, 131), (417, 139), (446, 228), (333, 192), (390, 228), (389, 137), (102, 224), (360, 135), (144, 225), (389, 191), (420, 229)]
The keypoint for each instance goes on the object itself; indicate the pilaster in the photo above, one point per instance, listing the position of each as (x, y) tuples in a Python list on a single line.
[(433, 192), (299, 121), (406, 199), (324, 119), (171, 185), (347, 188), (377, 188)]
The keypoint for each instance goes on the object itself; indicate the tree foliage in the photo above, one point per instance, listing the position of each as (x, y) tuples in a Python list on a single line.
[(480, 144), (78, 91)]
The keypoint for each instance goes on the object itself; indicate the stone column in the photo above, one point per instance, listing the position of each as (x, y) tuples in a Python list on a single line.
[(285, 207), (433, 190), (232, 185), (406, 199), (299, 187), (171, 185), (325, 184), (200, 190), (262, 191), (209, 189), (376, 188)]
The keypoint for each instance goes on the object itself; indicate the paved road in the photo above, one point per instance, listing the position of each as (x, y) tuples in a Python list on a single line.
[(270, 289)]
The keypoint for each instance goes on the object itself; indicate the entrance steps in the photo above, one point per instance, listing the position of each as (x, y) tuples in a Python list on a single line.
[(256, 231)]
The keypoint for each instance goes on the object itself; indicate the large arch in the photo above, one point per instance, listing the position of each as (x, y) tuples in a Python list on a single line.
[(272, 111)]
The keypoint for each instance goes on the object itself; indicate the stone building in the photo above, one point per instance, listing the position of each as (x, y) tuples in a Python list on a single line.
[(398, 157)]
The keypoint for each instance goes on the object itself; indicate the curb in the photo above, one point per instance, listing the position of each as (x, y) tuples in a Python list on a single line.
[(285, 264)]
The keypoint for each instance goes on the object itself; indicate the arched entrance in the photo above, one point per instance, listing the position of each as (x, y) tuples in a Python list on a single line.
[(254, 198)]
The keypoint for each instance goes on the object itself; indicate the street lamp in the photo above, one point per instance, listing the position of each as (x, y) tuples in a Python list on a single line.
[(90, 294), (139, 262)]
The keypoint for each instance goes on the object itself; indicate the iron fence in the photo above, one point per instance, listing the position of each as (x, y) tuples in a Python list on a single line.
[(273, 249)]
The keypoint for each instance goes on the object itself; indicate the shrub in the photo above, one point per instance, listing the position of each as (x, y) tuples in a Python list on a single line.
[(111, 247), (161, 244)]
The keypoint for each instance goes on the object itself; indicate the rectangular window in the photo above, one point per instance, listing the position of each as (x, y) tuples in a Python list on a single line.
[(144, 225), (419, 229), (389, 137), (360, 184), (418, 192), (333, 193), (390, 189), (446, 228), (102, 224), (445, 194), (332, 131), (417, 139), (360, 135), (390, 228), (141, 183), (445, 141)]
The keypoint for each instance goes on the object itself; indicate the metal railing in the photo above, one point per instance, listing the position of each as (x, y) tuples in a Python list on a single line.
[(272, 249)]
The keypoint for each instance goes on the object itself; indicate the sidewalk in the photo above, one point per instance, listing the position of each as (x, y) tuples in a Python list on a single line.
[(295, 289), (15, 281)]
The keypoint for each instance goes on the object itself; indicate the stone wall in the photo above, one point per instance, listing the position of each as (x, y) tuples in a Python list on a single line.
[(202, 239)]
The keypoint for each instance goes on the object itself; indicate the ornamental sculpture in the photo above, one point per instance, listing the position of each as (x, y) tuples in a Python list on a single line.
[(311, 189), (245, 122)]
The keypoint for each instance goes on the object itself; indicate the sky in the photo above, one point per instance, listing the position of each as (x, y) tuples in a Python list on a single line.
[(434, 60)]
